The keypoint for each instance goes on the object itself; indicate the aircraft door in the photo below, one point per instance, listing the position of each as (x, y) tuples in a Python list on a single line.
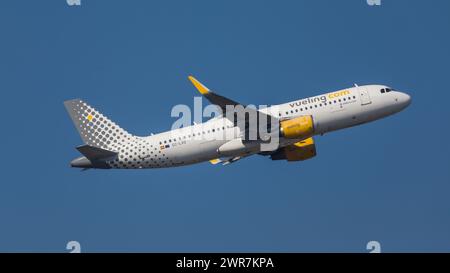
[(364, 96)]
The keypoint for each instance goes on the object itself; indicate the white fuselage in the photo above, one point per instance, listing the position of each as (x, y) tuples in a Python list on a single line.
[(201, 142)]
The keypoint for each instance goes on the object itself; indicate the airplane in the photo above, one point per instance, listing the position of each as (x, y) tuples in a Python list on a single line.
[(296, 123)]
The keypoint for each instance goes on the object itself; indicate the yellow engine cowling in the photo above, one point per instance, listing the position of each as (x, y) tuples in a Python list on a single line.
[(300, 127), (299, 151)]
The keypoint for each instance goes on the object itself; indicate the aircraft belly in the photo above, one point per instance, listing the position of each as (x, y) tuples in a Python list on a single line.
[(197, 151)]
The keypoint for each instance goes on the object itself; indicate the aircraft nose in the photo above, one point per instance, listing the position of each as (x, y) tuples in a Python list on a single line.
[(404, 100)]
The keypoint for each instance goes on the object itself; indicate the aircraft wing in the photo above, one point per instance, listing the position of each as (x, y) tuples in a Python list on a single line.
[(214, 98), (222, 103)]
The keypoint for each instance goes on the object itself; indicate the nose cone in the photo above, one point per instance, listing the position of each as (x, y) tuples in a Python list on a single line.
[(81, 162), (404, 100)]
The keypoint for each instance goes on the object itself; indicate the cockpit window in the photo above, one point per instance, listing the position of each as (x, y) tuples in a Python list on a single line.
[(386, 90)]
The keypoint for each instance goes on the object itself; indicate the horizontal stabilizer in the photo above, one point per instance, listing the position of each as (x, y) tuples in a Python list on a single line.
[(95, 153)]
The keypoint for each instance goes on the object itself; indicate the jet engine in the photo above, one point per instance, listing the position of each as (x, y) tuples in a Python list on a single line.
[(300, 127), (296, 128), (299, 151)]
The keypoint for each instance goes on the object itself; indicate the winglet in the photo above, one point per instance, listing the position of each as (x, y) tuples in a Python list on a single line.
[(200, 87)]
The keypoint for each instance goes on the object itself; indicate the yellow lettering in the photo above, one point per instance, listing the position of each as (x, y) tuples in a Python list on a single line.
[(338, 94)]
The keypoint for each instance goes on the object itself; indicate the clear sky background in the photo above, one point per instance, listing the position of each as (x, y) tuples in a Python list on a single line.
[(387, 181)]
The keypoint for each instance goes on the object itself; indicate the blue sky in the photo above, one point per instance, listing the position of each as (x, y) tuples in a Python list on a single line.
[(387, 181)]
